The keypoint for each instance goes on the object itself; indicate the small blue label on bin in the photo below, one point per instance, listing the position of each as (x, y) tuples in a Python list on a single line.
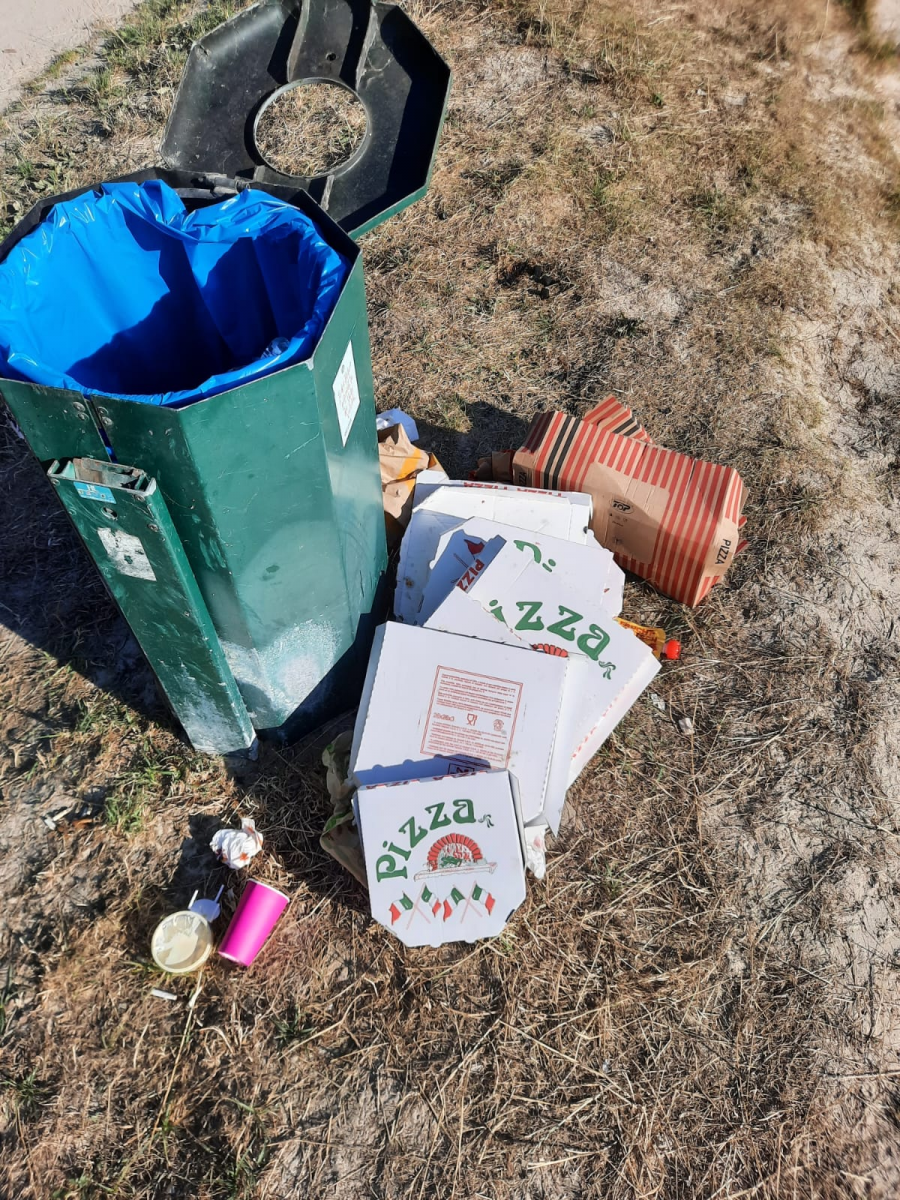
[(92, 491)]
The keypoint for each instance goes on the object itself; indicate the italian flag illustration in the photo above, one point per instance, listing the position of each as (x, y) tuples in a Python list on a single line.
[(478, 895), (437, 909), (413, 907)]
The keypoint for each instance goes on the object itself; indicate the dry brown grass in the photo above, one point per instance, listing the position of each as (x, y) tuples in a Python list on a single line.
[(310, 130), (692, 206)]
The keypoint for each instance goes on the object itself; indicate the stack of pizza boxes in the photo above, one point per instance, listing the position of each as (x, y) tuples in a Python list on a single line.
[(503, 672)]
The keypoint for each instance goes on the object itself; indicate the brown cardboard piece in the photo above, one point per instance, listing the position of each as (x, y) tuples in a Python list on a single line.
[(627, 512), (400, 463), (340, 837)]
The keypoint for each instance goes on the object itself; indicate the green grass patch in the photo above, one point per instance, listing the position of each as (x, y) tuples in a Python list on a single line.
[(27, 1093), (146, 783)]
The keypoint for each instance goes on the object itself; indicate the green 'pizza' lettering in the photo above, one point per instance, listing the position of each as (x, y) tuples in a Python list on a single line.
[(387, 866), (464, 813), (438, 820), (497, 611), (530, 619), (563, 627), (390, 870), (594, 642), (415, 835), (535, 550)]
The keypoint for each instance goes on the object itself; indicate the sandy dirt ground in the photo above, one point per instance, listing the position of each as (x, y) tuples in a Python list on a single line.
[(33, 34)]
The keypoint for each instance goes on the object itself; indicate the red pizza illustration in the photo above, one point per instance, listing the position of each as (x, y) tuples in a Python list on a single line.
[(454, 853), (546, 648), (454, 850)]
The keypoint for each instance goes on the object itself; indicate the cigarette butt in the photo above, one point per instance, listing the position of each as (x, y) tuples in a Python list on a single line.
[(161, 995)]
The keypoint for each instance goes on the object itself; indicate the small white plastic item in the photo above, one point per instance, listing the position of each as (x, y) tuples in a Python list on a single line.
[(535, 843), (396, 416), (235, 847), (206, 907)]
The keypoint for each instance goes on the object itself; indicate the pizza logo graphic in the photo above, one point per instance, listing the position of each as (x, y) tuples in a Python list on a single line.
[(454, 850), (452, 854)]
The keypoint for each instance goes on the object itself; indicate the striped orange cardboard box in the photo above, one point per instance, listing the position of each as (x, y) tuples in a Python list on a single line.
[(674, 520)]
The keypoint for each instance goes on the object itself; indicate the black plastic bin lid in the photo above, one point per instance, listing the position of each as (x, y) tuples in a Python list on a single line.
[(373, 49)]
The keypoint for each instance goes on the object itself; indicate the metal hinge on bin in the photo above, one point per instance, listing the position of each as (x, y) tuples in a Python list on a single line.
[(123, 520)]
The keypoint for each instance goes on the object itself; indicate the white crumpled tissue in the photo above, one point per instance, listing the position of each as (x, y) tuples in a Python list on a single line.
[(536, 849), (235, 847)]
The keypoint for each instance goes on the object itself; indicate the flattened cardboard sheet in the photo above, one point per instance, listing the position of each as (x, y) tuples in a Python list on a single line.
[(439, 704), (608, 666), (441, 505), (469, 549)]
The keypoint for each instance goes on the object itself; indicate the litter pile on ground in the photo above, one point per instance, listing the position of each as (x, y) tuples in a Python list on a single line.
[(507, 664)]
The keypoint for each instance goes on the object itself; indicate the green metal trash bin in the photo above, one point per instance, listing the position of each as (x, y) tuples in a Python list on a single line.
[(243, 534)]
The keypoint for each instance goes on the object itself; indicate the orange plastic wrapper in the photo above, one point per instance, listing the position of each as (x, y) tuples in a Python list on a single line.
[(650, 635)]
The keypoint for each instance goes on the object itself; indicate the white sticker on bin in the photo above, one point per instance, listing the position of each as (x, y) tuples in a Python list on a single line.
[(346, 393), (127, 553)]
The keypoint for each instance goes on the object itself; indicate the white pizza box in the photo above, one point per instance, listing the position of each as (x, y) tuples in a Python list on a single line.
[(572, 714), (443, 506), (428, 480), (608, 666), (472, 621), (463, 615), (444, 856), (473, 545), (439, 704), (434, 479)]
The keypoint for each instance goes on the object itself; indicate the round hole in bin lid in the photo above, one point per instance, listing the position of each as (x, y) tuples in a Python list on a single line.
[(310, 127)]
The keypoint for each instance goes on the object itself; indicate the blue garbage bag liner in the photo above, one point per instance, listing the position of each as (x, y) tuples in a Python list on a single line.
[(123, 292)]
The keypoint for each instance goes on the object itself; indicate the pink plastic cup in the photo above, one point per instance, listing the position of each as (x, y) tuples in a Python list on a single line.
[(255, 917)]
